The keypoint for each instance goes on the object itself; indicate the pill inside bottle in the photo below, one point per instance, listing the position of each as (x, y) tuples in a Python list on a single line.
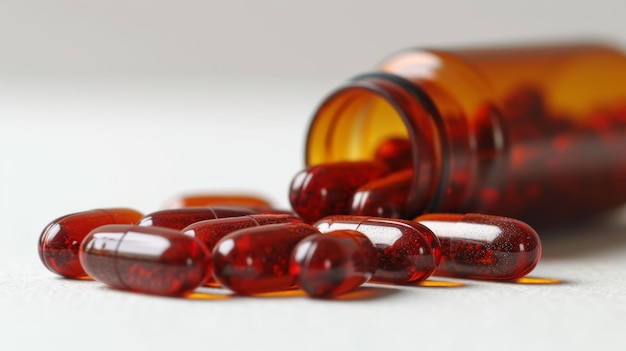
[(533, 132), (328, 189)]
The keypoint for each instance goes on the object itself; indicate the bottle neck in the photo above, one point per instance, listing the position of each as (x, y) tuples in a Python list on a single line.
[(372, 108)]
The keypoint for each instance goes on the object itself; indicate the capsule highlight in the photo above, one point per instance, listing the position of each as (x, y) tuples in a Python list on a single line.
[(151, 260), (212, 230), (407, 252), (486, 247), (334, 263), (256, 260), (60, 240)]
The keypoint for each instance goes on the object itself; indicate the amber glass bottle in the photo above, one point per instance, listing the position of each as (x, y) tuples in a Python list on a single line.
[(536, 133)]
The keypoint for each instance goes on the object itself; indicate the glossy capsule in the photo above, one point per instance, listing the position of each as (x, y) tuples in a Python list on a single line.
[(406, 252), (327, 265), (212, 230), (327, 189), (384, 197), (60, 240), (256, 260), (182, 217), (272, 211), (484, 247), (208, 199), (152, 260)]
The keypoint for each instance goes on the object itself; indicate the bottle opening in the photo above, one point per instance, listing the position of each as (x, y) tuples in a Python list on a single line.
[(376, 112), (351, 125)]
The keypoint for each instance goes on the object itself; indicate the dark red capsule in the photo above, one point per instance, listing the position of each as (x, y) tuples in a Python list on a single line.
[(256, 260), (333, 264), (406, 252), (396, 153), (182, 217), (272, 211), (60, 240), (484, 247), (212, 230), (384, 197), (203, 200), (152, 260), (327, 189)]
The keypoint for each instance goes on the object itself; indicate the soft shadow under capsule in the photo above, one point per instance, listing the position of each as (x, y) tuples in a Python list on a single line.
[(151, 260), (484, 247)]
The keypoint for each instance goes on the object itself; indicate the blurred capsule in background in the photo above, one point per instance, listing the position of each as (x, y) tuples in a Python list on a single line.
[(256, 260), (60, 240), (211, 199), (182, 217), (480, 246), (152, 260), (396, 153), (331, 264), (407, 253)]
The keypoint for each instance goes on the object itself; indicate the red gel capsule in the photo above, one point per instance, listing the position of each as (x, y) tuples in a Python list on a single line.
[(395, 153), (256, 260), (182, 217), (333, 264), (406, 252), (327, 189), (60, 240), (152, 260), (384, 197), (212, 230), (484, 247), (272, 211), (203, 200)]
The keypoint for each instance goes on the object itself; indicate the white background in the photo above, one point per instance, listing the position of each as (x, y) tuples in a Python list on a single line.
[(128, 103)]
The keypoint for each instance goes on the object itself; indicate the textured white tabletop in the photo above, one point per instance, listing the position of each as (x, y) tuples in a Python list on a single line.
[(129, 103), (88, 144)]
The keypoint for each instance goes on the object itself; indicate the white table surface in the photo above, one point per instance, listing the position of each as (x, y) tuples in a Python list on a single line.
[(75, 145)]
